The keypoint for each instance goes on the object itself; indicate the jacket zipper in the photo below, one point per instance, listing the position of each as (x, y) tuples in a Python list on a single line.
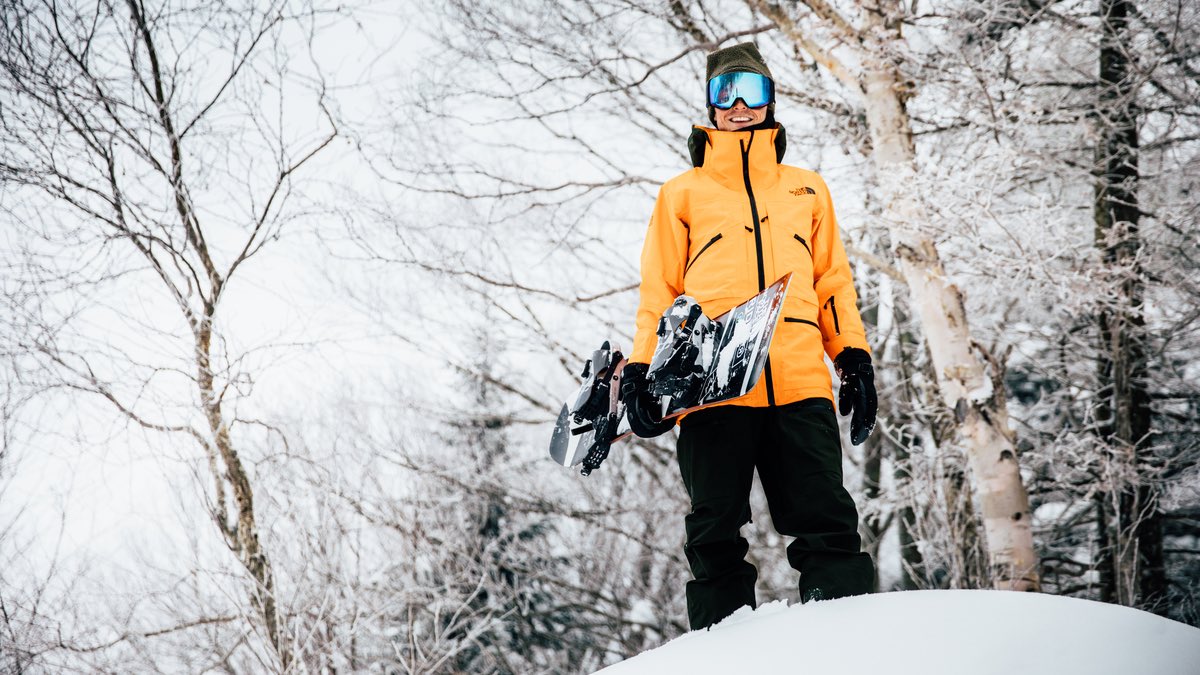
[(837, 330), (762, 274), (702, 250), (803, 243), (792, 319)]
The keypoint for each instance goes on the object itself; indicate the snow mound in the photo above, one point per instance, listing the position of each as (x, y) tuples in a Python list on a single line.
[(931, 633)]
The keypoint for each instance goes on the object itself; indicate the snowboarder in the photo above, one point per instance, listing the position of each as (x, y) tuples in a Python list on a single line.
[(720, 233)]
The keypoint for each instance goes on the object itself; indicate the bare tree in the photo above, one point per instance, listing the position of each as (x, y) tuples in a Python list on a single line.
[(157, 144)]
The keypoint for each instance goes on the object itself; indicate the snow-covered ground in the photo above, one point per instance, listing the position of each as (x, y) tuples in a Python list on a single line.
[(931, 633)]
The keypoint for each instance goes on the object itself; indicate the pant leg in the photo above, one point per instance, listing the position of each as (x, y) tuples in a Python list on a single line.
[(716, 460), (800, 467)]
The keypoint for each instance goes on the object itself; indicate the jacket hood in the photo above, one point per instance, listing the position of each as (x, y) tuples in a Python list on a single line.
[(729, 156), (702, 138)]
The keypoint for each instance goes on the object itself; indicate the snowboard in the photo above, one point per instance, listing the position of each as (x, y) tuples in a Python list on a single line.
[(697, 362)]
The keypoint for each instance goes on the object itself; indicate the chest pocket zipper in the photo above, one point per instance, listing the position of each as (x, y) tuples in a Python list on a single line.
[(804, 244), (702, 250)]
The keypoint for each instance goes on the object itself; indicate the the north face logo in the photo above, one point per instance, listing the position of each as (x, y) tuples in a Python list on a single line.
[(804, 191)]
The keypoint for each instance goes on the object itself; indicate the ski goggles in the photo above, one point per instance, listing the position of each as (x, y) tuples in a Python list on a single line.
[(725, 89)]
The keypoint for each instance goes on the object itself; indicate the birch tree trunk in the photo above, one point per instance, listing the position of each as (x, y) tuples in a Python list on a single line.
[(980, 411)]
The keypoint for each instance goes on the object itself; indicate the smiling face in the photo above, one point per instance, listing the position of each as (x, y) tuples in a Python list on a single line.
[(739, 116)]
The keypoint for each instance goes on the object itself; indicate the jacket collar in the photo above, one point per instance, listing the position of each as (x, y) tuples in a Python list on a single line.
[(720, 154)]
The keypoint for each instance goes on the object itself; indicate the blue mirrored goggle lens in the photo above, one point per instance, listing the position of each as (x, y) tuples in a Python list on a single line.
[(756, 90)]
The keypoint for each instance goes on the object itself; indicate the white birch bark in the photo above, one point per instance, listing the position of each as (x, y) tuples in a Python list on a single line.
[(981, 415)]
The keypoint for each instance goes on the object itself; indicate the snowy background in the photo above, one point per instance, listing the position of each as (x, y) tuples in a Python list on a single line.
[(291, 292)]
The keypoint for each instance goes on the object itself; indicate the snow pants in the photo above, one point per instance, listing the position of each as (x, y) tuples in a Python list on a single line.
[(797, 451)]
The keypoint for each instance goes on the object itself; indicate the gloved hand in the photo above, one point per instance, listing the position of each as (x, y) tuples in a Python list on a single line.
[(641, 407), (857, 392)]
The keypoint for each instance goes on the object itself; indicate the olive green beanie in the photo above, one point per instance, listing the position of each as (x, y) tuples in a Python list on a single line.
[(744, 57)]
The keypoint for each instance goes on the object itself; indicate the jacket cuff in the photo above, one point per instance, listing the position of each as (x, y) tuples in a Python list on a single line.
[(840, 342)]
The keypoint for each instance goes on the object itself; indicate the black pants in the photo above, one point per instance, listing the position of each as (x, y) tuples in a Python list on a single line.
[(798, 454)]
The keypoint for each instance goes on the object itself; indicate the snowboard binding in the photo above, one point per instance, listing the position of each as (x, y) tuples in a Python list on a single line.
[(685, 349), (594, 393), (597, 408), (601, 443)]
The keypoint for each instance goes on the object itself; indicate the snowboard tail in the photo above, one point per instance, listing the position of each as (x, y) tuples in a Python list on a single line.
[(587, 425)]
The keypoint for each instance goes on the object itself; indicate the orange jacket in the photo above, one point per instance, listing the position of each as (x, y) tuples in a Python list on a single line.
[(727, 229)]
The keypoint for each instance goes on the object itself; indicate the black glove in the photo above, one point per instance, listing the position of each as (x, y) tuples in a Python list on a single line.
[(857, 392), (641, 407)]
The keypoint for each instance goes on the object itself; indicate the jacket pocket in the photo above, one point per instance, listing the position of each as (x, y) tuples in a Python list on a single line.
[(831, 305), (704, 248), (798, 354), (803, 243), (793, 319)]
